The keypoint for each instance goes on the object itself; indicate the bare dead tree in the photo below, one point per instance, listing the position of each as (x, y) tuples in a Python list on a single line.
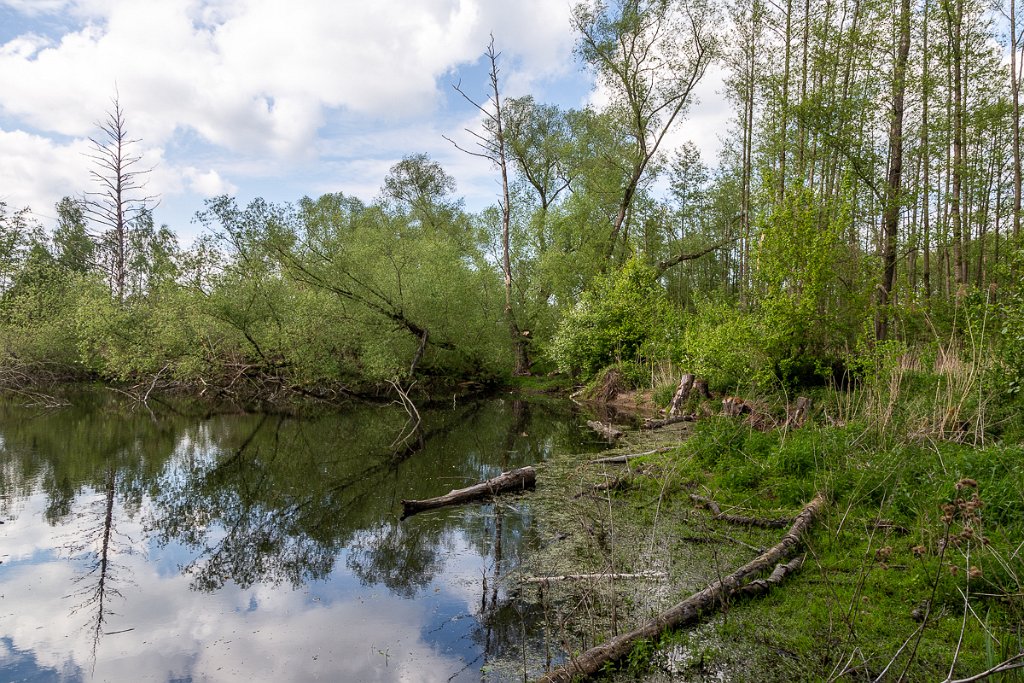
[(120, 198), (491, 144)]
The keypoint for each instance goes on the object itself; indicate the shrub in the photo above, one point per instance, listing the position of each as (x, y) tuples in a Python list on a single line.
[(1011, 347), (624, 317), (726, 347)]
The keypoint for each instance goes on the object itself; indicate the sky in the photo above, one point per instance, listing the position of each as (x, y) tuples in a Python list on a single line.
[(277, 99)]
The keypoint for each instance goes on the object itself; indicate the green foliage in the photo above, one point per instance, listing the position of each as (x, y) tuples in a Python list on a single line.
[(874, 362), (663, 394), (624, 317), (726, 346), (639, 657), (1011, 332), (73, 248), (802, 261), (37, 312)]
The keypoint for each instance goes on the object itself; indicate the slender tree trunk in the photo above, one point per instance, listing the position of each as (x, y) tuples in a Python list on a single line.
[(748, 155), (914, 237), (801, 169), (983, 212), (947, 212), (519, 341), (783, 128), (998, 223), (926, 162), (891, 213), (954, 17), (1015, 102), (966, 185)]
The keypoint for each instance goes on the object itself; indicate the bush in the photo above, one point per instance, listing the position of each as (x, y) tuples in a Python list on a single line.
[(1011, 347), (726, 347), (624, 317)]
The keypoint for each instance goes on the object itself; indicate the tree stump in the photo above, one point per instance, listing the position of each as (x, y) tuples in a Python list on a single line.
[(681, 395)]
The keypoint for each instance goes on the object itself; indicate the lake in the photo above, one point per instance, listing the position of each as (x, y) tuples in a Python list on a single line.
[(164, 546)]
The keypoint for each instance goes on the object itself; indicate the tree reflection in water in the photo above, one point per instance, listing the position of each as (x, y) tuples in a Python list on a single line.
[(97, 545), (272, 500)]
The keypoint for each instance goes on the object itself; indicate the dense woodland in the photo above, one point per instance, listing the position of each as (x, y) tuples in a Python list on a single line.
[(866, 205)]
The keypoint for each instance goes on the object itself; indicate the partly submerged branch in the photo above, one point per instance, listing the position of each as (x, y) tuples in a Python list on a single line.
[(623, 459), (607, 431), (514, 480), (655, 576)]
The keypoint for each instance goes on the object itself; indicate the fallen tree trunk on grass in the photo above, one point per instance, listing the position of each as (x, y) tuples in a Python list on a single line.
[(623, 459), (741, 520), (514, 480), (701, 603)]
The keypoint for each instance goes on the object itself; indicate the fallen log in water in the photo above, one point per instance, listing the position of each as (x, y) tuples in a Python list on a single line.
[(515, 480), (699, 604), (607, 431), (665, 422)]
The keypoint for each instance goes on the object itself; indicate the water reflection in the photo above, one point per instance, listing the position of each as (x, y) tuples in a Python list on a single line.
[(248, 547)]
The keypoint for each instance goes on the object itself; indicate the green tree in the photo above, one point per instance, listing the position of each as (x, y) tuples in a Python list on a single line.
[(74, 249), (624, 317), (649, 55)]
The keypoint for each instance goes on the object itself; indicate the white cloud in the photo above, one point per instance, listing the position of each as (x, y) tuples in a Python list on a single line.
[(261, 73), (256, 84), (25, 46), (285, 99), (708, 118), (38, 171), (208, 183), (36, 7)]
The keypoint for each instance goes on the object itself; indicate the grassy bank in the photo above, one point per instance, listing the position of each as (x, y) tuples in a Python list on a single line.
[(916, 566), (915, 572)]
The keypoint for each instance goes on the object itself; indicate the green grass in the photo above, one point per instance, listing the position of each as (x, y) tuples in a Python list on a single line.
[(882, 551)]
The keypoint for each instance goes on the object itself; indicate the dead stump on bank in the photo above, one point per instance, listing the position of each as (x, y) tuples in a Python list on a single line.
[(798, 413), (756, 417), (682, 394)]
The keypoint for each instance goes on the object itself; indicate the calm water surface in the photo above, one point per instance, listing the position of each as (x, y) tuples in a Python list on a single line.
[(139, 547)]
